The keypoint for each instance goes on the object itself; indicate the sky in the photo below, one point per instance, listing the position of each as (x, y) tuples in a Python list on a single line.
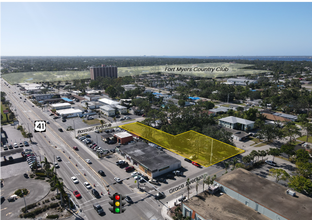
[(156, 29)]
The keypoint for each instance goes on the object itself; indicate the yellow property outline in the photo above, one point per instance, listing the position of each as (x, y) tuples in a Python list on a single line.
[(191, 144)]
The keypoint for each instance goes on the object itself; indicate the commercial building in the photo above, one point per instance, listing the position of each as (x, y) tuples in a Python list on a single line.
[(107, 110), (148, 160), (31, 87), (236, 123), (41, 97), (264, 196), (205, 206), (123, 137), (69, 112), (58, 106), (103, 71), (106, 101)]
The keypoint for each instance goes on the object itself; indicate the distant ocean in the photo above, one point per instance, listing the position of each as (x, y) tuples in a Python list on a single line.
[(278, 58)]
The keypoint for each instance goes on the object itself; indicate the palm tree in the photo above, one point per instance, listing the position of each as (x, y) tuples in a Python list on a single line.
[(60, 186), (204, 179), (197, 183), (102, 122), (262, 153), (46, 164), (226, 165), (188, 187), (234, 162)]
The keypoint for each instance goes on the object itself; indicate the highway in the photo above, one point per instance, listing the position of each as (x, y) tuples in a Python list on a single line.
[(83, 171)]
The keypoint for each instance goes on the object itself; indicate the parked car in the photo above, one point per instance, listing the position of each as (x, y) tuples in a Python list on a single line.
[(5, 147), (15, 145), (195, 164), (154, 182), (10, 146), (182, 199), (88, 136), (26, 143), (129, 169), (170, 176), (21, 145), (77, 194), (187, 160), (270, 162), (63, 120), (98, 209)]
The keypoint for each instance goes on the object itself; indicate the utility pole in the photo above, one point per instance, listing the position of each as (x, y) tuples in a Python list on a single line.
[(24, 201)]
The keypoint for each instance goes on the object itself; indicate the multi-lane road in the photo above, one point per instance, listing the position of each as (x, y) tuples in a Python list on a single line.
[(73, 164)]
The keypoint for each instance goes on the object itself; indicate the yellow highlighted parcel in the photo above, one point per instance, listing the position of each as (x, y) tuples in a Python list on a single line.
[(191, 144)]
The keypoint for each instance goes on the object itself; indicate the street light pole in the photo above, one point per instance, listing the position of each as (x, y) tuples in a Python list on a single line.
[(24, 201)]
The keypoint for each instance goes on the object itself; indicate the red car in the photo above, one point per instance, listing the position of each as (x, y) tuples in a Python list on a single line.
[(195, 164), (77, 194), (75, 148)]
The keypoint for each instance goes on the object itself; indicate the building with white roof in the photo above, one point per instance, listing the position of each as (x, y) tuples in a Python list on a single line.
[(108, 101), (69, 112), (236, 123), (107, 110), (58, 106)]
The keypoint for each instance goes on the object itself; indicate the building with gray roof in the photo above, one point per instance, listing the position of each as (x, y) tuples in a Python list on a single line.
[(149, 160), (264, 196), (236, 123)]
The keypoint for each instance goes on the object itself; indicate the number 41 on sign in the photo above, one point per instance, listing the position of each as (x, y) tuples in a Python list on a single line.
[(40, 126)]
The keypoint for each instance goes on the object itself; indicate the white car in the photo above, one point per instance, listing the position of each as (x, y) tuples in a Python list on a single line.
[(15, 145), (136, 174), (87, 185), (74, 179), (88, 161), (117, 179), (56, 165)]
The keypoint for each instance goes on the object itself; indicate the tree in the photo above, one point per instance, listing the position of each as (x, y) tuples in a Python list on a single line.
[(291, 130), (234, 162), (226, 165), (308, 127), (279, 174), (30, 135), (270, 132), (262, 153), (254, 154), (188, 187), (181, 103), (204, 179), (111, 91), (302, 156), (197, 183), (274, 152), (87, 105), (288, 149), (304, 169), (300, 184), (246, 159), (102, 122)]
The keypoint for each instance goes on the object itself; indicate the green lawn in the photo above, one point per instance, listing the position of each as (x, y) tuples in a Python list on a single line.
[(304, 138), (4, 120)]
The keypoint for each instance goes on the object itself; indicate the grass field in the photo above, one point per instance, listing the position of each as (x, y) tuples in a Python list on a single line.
[(92, 122), (233, 69), (5, 120), (304, 138)]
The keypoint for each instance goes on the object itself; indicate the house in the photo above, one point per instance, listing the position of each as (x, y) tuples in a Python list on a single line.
[(264, 196), (220, 110), (42, 97), (237, 123), (59, 106)]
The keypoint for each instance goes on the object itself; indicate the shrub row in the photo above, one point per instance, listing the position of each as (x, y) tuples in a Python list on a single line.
[(53, 216), (29, 207), (21, 192), (37, 211), (41, 174), (40, 178)]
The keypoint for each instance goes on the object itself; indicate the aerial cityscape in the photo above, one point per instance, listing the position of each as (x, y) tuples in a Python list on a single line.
[(156, 111)]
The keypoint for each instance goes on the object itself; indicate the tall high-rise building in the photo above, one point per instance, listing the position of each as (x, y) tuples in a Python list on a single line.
[(103, 71)]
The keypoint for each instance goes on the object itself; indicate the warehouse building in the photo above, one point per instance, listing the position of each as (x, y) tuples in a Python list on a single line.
[(149, 160), (59, 106), (69, 112)]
